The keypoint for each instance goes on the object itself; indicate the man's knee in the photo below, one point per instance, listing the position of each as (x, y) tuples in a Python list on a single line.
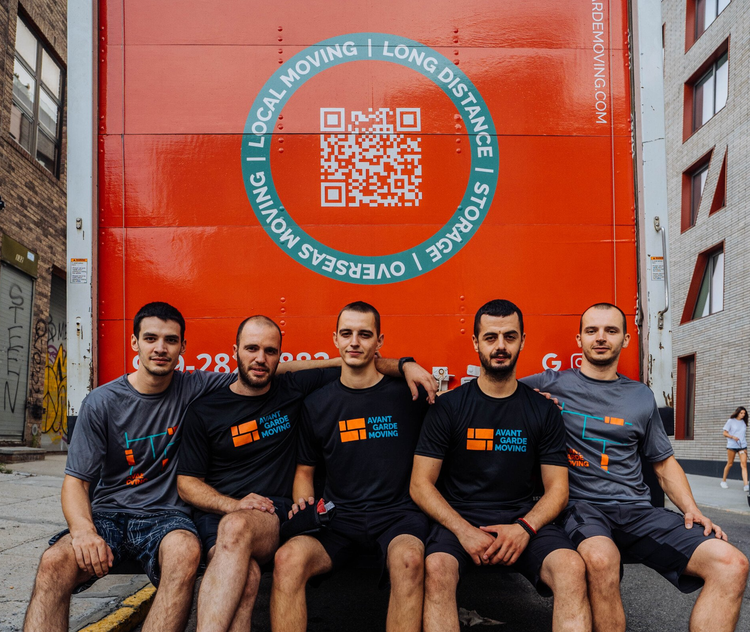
[(234, 531), (441, 573), (406, 561), (59, 569), (719, 561), (291, 566), (564, 571), (180, 554), (602, 558)]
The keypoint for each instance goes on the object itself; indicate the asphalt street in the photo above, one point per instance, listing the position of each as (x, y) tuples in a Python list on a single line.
[(352, 601)]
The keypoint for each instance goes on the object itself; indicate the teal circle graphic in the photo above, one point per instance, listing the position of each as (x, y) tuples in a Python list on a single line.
[(342, 266)]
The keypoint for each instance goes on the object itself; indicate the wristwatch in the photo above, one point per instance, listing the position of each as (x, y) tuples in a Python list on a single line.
[(402, 362)]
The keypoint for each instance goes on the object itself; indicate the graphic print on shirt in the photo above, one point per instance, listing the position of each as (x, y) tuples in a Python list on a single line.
[(361, 428), (491, 440), (165, 454), (257, 429), (577, 460)]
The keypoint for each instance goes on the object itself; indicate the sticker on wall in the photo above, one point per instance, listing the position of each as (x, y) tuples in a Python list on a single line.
[(381, 161)]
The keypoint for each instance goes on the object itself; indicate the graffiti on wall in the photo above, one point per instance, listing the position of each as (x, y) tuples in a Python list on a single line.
[(49, 352), (14, 352)]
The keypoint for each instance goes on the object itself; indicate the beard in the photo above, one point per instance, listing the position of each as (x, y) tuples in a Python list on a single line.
[(158, 371), (250, 381), (498, 374), (607, 361)]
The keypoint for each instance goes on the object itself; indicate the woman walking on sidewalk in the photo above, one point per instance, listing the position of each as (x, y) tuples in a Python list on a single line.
[(734, 431)]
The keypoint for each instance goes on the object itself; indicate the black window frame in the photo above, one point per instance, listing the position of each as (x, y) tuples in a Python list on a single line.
[(37, 127)]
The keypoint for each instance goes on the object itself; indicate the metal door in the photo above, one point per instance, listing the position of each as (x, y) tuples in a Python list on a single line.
[(16, 308)]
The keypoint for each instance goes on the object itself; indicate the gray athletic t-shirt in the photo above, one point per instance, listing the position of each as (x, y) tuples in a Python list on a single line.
[(130, 440), (610, 426)]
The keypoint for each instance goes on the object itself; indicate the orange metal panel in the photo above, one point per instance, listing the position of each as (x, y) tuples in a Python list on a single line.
[(177, 222)]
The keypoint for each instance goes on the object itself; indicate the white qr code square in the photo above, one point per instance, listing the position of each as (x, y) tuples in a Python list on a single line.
[(375, 162)]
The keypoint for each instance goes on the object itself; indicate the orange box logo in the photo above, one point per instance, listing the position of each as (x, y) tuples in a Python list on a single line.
[(614, 421), (245, 433), (352, 430), (129, 456), (479, 439)]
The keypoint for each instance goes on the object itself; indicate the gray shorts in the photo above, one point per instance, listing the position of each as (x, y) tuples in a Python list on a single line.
[(653, 536)]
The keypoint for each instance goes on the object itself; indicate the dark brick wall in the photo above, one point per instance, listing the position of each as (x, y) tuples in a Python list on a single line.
[(35, 201)]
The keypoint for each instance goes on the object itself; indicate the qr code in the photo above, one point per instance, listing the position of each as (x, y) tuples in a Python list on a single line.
[(371, 160)]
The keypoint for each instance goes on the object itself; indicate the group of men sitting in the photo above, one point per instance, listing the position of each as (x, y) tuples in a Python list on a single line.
[(542, 475)]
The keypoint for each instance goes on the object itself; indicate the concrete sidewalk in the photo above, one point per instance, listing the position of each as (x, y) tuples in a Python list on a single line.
[(30, 514)]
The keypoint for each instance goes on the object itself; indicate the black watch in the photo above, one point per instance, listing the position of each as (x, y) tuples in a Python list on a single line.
[(402, 362)]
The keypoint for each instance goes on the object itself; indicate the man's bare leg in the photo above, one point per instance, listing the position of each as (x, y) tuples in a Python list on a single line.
[(565, 573), (179, 557), (602, 559), (406, 568), (229, 588), (441, 581), (56, 578), (297, 561), (724, 570)]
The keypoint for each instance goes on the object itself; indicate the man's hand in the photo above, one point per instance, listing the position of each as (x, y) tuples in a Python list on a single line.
[(509, 543), (692, 518), (415, 375), (92, 553), (475, 543), (300, 505), (257, 502)]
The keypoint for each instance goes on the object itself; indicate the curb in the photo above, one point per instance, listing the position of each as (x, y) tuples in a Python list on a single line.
[(131, 613)]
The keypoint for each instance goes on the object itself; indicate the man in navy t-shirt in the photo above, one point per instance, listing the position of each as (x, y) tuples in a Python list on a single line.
[(364, 428), (487, 441)]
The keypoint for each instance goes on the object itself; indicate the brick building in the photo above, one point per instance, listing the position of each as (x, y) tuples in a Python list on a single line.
[(707, 112), (33, 223)]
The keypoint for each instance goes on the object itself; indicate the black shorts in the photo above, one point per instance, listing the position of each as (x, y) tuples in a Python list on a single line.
[(208, 523), (135, 536), (351, 533), (653, 536), (548, 539), (736, 450)]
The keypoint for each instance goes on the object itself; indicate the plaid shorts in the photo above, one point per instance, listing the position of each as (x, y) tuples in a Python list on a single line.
[(135, 536)]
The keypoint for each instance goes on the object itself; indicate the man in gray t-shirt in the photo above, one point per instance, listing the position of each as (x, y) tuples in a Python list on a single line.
[(613, 423), (126, 437)]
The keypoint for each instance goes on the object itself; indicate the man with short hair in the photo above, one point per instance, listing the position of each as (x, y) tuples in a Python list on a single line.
[(363, 427), (613, 423), (486, 441), (126, 437), (237, 465)]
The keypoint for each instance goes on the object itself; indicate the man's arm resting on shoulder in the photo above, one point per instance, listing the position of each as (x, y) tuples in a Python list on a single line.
[(414, 374), (512, 539), (424, 475), (675, 485), (196, 492), (92, 552)]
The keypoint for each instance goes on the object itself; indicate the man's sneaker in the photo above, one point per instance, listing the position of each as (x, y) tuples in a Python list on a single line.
[(724, 485), (746, 488)]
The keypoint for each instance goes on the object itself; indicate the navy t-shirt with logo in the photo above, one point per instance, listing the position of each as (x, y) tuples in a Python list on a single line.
[(491, 447), (366, 438), (243, 444)]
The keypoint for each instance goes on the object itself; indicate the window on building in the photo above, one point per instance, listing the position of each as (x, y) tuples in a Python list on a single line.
[(711, 92), (36, 113), (720, 194), (706, 11), (711, 293), (685, 422), (706, 292), (693, 183)]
